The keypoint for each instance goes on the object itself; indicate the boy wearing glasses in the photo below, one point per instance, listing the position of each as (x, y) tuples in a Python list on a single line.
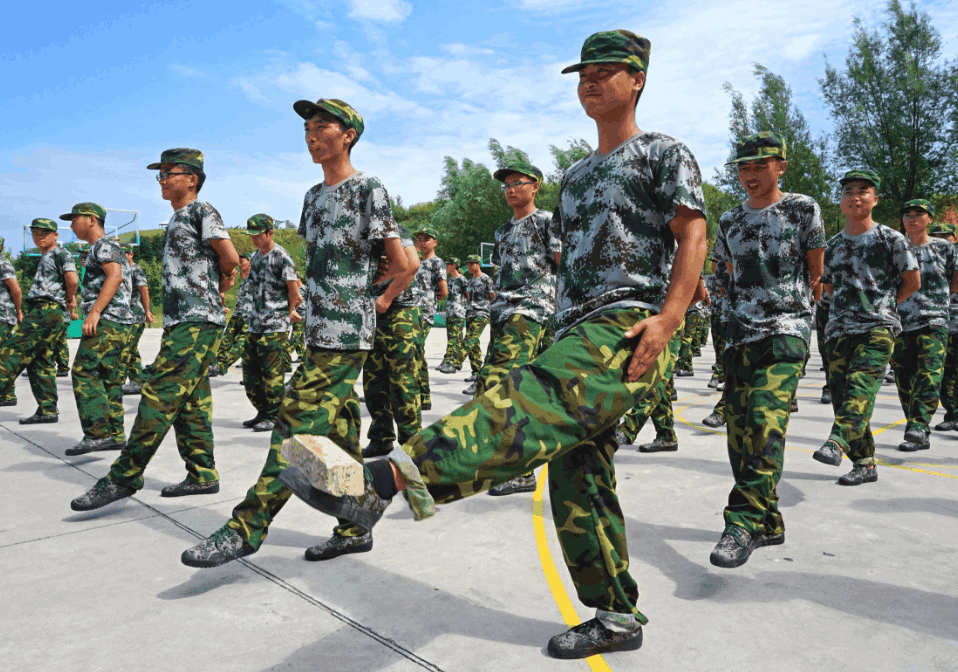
[(479, 293), (199, 263), (29, 345), (432, 277), (869, 270)]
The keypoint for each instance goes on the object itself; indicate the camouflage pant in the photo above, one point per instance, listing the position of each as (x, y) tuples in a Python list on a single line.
[(264, 369), (11, 392), (700, 332), (61, 354), (455, 349), (474, 327), (30, 346), (132, 364), (657, 405), (98, 376), (389, 377), (297, 339), (562, 408), (688, 337), (422, 369), (949, 382), (233, 344), (761, 378), (719, 339), (918, 359), (512, 343), (821, 319), (856, 365), (177, 395), (321, 403), (548, 336)]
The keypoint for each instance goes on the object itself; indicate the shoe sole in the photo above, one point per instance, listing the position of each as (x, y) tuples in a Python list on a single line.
[(208, 564), (861, 482), (338, 507), (824, 459), (719, 561), (263, 429), (212, 490), (41, 422), (774, 540), (376, 453), (648, 448), (513, 491), (564, 654), (98, 505), (362, 548), (73, 452)]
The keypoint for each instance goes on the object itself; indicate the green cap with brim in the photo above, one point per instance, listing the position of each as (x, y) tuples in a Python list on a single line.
[(473, 259), (614, 46), (429, 231), (260, 223), (861, 175), (44, 224), (244, 255), (181, 155), (127, 248), (79, 209), (919, 204), (941, 229), (2, 242), (521, 167), (760, 146), (454, 261), (339, 109)]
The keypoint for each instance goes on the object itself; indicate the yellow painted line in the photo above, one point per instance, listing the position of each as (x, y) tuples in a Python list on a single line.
[(569, 615)]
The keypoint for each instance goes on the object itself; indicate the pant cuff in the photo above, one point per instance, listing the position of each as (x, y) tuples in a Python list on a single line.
[(617, 622), (417, 495)]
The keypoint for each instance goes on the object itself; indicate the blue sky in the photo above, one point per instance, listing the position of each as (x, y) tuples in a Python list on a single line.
[(96, 91)]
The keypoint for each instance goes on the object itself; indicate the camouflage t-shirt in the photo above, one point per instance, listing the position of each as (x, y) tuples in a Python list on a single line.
[(341, 223), (478, 290), (431, 272), (865, 271), (104, 251), (613, 219), (191, 267), (713, 283), (268, 275), (411, 297), (48, 282), (953, 314), (456, 301), (137, 280), (244, 301), (928, 307), (8, 311), (526, 282), (770, 292)]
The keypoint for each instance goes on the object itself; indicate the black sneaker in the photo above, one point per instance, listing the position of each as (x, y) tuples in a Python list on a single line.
[(190, 487), (714, 420), (214, 370), (471, 390), (221, 547), (63, 373), (473, 378), (918, 436), (889, 378), (364, 510), (517, 484), (683, 373), (37, 419), (794, 407), (336, 546), (446, 367), (92, 445), (713, 381), (661, 444), (377, 450), (426, 406), (264, 425), (829, 453), (621, 438), (254, 421), (770, 539), (675, 395), (734, 548), (102, 493), (132, 387), (861, 473), (8, 402), (591, 638), (946, 426), (826, 396), (718, 388)]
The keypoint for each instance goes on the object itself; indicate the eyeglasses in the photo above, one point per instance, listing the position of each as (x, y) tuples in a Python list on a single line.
[(166, 174), (514, 185), (854, 193)]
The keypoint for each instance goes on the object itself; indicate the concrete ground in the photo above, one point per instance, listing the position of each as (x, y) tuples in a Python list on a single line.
[(866, 580)]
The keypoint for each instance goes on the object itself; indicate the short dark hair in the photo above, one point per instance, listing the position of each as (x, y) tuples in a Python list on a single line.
[(193, 170), (631, 69)]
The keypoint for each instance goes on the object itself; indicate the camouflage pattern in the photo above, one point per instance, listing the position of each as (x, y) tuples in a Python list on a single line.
[(562, 409), (48, 282), (297, 339), (526, 281), (478, 291), (260, 223), (941, 229), (107, 251), (422, 369), (191, 269), (610, 260), (512, 343), (90, 209), (9, 394), (456, 301), (761, 379), (822, 313), (473, 259), (719, 340), (455, 346), (8, 310), (856, 366), (429, 231), (132, 365), (321, 403), (137, 279), (61, 351), (264, 366), (614, 46), (861, 175), (340, 224), (865, 271), (918, 359), (770, 292), (30, 346), (182, 155), (953, 314), (760, 146), (98, 376), (919, 204), (341, 110), (518, 166), (471, 345), (928, 306), (268, 291), (234, 340), (684, 358), (390, 381), (44, 224), (176, 394), (657, 404), (431, 272), (949, 381)]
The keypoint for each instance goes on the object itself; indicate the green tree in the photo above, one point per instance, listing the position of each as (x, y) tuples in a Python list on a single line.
[(895, 108), (563, 159), (717, 201)]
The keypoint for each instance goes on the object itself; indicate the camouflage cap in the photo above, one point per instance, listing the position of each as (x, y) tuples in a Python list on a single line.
[(919, 204), (182, 155), (2, 242), (863, 175), (92, 209), (126, 247), (260, 223), (244, 255), (454, 261), (341, 110), (614, 46), (44, 224), (521, 167), (941, 229), (759, 146), (429, 231), (473, 259)]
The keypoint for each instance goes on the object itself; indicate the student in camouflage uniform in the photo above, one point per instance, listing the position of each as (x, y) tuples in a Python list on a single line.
[(455, 318), (432, 277), (297, 334), (480, 291), (658, 406), (719, 338), (29, 345), (348, 225), (821, 320), (390, 382), (620, 211), (773, 246), (99, 366), (233, 344), (527, 249), (199, 264), (918, 356), (683, 365), (949, 380), (869, 268), (274, 295), (140, 308), (11, 313), (61, 354)]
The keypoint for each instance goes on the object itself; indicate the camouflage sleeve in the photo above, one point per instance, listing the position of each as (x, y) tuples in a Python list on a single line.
[(720, 251), (826, 266), (440, 273), (211, 224), (813, 232), (139, 277), (551, 235), (301, 229), (951, 262), (6, 269), (379, 212), (107, 253), (902, 255), (496, 257), (65, 261), (286, 268), (678, 181)]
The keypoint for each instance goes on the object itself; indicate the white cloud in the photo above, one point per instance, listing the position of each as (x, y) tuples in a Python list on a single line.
[(186, 71), (383, 11)]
